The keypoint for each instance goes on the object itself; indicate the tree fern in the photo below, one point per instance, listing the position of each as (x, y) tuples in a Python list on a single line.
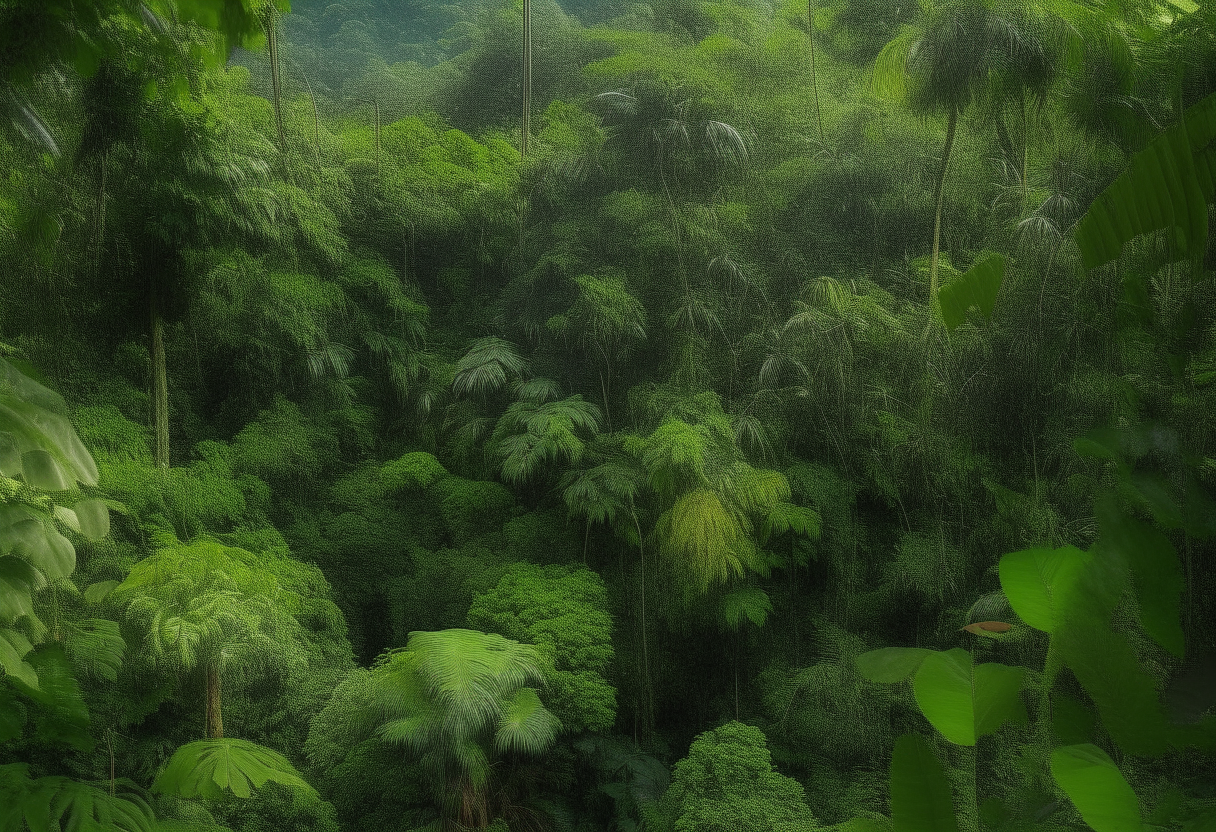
[(456, 696)]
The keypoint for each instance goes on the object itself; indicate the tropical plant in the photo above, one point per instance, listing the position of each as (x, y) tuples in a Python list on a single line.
[(38, 445), (459, 699), (209, 607), (532, 434), (563, 611), (726, 782)]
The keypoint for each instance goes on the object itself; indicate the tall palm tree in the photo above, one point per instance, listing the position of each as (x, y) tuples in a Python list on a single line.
[(963, 50)]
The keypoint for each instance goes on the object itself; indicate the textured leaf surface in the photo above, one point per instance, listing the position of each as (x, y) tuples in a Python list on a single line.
[(891, 664), (94, 518), (978, 287), (1097, 788), (13, 649), (1161, 188), (1035, 579), (209, 768), (920, 794), (966, 703), (49, 803)]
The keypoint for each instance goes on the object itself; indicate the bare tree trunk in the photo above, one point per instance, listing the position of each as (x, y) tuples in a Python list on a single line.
[(272, 41), (810, 37), (215, 718), (526, 121), (160, 384)]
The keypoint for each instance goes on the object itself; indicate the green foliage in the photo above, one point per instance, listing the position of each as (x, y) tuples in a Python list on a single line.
[(1168, 185), (455, 698), (1036, 582), (726, 782), (531, 435), (42, 803), (563, 611), (209, 768), (920, 793), (38, 444), (486, 367), (1096, 787), (470, 507), (414, 471), (205, 603), (978, 287)]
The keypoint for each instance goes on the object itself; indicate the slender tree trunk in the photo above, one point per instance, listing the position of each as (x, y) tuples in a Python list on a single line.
[(951, 130), (649, 723), (272, 41), (101, 211), (215, 717), (160, 383), (810, 38), (526, 121)]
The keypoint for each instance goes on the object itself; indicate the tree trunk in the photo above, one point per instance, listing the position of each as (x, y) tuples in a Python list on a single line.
[(810, 37), (526, 121), (160, 384), (272, 41), (215, 718), (951, 130), (649, 715)]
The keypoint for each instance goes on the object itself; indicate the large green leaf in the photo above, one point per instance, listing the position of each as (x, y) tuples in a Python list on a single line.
[(1097, 788), (966, 703), (42, 546), (1156, 576), (891, 664), (1166, 185), (94, 518), (978, 287), (209, 768), (920, 794), (1034, 581), (42, 471), (1105, 662), (17, 579), (35, 419), (13, 649)]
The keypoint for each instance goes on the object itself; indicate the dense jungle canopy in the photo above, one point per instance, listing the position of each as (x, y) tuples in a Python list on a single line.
[(677, 416)]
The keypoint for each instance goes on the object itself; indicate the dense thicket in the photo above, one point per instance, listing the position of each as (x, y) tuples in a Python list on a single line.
[(812, 429)]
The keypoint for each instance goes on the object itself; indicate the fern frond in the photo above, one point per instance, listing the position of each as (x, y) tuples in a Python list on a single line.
[(209, 768)]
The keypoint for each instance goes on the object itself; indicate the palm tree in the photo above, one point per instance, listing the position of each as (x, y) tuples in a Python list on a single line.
[(462, 701), (209, 607), (962, 50), (533, 432), (608, 318)]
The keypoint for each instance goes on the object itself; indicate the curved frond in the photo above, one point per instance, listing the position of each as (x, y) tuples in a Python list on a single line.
[(486, 367), (526, 726), (705, 540), (209, 768)]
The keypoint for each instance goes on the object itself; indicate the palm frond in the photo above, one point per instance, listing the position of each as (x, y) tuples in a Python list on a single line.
[(526, 726), (485, 368)]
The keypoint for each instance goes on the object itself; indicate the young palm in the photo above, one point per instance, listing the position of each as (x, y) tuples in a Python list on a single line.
[(460, 699)]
